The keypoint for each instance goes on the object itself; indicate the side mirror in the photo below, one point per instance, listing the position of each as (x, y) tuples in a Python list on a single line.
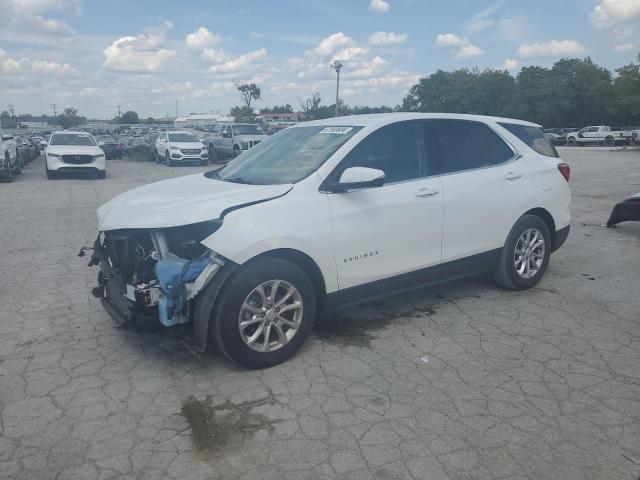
[(355, 178), (8, 137), (101, 144)]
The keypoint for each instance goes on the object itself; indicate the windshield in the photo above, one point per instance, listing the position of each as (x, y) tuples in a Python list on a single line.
[(247, 130), (286, 157), (182, 137), (81, 139)]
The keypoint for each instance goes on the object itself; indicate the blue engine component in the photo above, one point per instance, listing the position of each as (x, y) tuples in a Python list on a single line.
[(172, 273)]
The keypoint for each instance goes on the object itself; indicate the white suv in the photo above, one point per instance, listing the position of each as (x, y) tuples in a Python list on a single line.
[(73, 152), (180, 147), (330, 213)]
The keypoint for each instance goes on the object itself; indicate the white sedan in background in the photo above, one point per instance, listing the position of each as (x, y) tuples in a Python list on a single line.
[(73, 152)]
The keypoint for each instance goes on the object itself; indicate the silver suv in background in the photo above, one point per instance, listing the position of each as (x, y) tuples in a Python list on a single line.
[(9, 162), (234, 138)]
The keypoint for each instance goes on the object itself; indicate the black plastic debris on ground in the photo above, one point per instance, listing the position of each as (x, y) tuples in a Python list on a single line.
[(626, 211)]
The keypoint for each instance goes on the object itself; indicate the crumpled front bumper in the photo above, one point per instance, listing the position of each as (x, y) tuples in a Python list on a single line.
[(169, 297)]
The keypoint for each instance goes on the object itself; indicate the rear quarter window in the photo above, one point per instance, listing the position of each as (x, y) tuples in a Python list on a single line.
[(533, 137)]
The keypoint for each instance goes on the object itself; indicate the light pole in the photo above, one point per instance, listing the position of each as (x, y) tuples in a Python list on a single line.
[(337, 65)]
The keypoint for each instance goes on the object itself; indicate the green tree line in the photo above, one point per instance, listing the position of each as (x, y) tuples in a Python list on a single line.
[(572, 93)]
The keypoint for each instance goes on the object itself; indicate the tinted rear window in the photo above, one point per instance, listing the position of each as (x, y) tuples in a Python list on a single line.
[(533, 137)]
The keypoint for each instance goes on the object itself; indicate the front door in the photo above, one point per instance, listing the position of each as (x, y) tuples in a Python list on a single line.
[(386, 231)]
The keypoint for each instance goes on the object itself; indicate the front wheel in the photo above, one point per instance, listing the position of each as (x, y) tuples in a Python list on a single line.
[(571, 141), (158, 157), (525, 254), (609, 141), (167, 159), (8, 171), (264, 314), (236, 151)]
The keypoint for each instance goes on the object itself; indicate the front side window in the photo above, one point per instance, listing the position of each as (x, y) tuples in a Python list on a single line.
[(533, 137), (77, 139), (398, 150), (182, 137), (286, 157), (461, 145)]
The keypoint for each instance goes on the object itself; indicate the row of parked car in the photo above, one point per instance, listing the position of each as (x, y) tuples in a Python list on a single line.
[(16, 152), (593, 135)]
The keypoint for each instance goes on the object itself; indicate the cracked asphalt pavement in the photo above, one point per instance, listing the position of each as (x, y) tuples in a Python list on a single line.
[(462, 381)]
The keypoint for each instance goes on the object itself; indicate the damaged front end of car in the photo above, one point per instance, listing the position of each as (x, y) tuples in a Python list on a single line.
[(158, 272)]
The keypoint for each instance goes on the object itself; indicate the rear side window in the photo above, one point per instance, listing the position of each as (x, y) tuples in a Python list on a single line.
[(533, 137), (460, 145)]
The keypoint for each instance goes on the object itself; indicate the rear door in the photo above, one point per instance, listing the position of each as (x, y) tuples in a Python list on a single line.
[(486, 186)]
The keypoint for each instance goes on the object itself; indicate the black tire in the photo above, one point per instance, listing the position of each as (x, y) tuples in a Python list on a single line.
[(224, 328), (158, 158), (236, 151), (167, 159), (506, 274), (571, 141), (610, 141)]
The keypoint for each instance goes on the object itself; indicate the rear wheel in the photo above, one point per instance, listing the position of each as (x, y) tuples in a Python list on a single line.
[(264, 314), (236, 151), (609, 141), (525, 254), (571, 141)]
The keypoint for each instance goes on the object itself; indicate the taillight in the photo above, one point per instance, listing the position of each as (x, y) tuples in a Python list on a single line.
[(565, 170)]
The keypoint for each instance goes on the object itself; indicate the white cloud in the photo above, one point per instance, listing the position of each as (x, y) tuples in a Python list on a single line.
[(236, 64), (50, 25), (626, 47), (255, 34), (469, 50), (142, 53), (334, 41), (609, 13), (554, 48), (351, 54), (465, 49), (510, 64), (450, 40), (53, 68), (368, 68), (201, 38), (213, 55), (483, 20), (387, 38), (379, 6)]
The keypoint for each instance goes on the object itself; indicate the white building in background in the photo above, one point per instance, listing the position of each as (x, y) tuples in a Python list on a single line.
[(199, 120)]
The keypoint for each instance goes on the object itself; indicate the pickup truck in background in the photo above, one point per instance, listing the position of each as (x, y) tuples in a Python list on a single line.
[(601, 135)]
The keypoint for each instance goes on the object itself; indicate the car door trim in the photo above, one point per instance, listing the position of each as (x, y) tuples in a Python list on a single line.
[(414, 280)]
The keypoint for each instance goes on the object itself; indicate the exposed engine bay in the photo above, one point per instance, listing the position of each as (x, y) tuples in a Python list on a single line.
[(157, 271)]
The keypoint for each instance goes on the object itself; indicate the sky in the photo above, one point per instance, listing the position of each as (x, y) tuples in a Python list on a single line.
[(96, 55)]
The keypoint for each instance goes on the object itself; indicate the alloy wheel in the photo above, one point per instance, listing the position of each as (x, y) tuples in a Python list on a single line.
[(529, 253), (270, 316)]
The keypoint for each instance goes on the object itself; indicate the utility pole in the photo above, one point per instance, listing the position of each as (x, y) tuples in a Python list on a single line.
[(55, 111), (11, 110), (176, 107), (119, 113), (337, 65)]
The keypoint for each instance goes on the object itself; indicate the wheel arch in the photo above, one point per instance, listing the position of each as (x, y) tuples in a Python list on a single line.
[(544, 214), (305, 262)]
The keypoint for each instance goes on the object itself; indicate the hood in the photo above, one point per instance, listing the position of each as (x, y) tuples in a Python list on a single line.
[(186, 145), (180, 201), (74, 149), (249, 138)]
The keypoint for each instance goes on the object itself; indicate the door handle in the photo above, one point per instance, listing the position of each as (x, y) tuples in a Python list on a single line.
[(513, 175), (426, 192)]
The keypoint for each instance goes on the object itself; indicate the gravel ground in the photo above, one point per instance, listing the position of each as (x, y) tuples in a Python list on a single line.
[(461, 381)]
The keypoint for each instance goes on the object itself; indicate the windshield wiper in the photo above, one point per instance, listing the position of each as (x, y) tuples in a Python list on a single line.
[(242, 180)]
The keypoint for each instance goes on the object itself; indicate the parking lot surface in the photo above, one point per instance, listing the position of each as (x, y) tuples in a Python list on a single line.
[(465, 380)]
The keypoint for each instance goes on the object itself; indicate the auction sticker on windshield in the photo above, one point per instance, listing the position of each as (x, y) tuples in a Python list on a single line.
[(336, 130)]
